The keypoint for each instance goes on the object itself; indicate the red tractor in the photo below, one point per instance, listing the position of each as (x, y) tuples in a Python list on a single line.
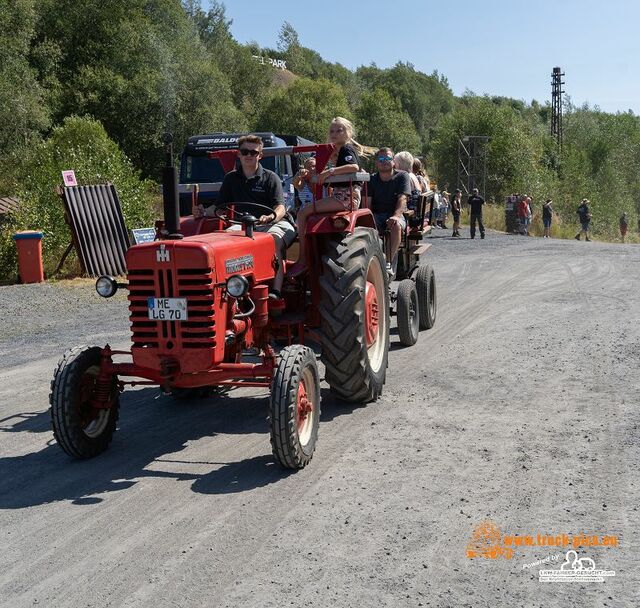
[(199, 306)]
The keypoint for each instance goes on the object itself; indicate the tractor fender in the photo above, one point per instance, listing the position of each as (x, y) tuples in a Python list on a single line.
[(343, 222)]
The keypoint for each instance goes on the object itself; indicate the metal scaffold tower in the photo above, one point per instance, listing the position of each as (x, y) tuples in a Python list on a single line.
[(556, 104), (472, 163)]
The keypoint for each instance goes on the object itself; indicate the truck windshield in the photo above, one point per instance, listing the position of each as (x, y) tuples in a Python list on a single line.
[(203, 170)]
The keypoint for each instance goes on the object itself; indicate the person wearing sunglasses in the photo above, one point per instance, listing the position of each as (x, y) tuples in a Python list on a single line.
[(389, 192), (252, 183)]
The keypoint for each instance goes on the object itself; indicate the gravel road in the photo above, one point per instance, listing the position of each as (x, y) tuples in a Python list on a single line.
[(519, 408)]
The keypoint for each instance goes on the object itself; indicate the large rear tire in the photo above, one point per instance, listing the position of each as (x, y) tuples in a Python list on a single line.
[(81, 429), (355, 316), (427, 296), (408, 312), (295, 407)]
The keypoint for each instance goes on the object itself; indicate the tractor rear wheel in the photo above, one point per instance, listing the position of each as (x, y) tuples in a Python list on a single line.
[(354, 312), (408, 312), (295, 407), (82, 429), (427, 299)]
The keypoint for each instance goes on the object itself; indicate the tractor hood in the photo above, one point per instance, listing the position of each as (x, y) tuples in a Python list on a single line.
[(224, 253)]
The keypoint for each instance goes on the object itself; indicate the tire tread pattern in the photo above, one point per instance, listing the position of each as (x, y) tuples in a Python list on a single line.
[(285, 442), (65, 420), (423, 284), (344, 349), (407, 329)]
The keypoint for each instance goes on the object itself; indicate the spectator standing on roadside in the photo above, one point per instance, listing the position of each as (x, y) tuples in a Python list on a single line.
[(624, 226), (436, 209), (547, 217), (475, 203), (584, 214), (444, 208), (524, 214), (456, 208)]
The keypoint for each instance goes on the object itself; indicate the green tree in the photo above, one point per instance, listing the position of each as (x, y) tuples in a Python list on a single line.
[(289, 45), (306, 108), (83, 145), (23, 110), (381, 121), (142, 71), (516, 157), (426, 99)]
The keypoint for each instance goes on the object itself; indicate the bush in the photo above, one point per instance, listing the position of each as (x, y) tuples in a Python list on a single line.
[(80, 144)]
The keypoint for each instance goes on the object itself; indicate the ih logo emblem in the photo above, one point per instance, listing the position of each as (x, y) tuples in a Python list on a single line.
[(162, 255)]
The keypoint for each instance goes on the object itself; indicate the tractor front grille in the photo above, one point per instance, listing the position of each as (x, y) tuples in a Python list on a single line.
[(195, 284)]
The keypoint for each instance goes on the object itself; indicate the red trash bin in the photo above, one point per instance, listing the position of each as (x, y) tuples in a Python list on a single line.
[(29, 245)]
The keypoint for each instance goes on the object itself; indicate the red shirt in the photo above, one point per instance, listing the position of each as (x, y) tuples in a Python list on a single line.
[(523, 208)]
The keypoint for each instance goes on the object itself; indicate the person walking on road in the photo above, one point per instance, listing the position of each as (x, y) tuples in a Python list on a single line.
[(584, 214), (624, 226), (475, 203), (456, 208), (547, 216)]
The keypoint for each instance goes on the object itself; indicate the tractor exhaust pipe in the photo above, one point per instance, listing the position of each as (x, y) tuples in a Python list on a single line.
[(170, 191)]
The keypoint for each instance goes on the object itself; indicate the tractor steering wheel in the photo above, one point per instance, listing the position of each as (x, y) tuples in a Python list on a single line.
[(222, 212)]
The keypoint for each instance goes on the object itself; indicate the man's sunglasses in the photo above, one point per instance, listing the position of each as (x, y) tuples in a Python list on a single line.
[(246, 152), (384, 158)]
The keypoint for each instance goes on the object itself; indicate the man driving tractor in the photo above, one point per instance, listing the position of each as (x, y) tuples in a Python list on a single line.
[(252, 183)]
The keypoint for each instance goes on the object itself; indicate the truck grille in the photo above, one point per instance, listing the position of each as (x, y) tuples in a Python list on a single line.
[(195, 284)]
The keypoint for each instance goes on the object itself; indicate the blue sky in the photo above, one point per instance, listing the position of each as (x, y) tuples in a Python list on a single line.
[(494, 46)]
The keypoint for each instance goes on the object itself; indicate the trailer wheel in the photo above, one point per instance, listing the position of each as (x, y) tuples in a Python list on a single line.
[(427, 296), (81, 429), (408, 312), (354, 312), (295, 407)]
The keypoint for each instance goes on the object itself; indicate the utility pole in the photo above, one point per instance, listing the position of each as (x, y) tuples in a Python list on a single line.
[(556, 104)]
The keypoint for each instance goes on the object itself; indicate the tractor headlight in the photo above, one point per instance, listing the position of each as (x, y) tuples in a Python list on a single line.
[(106, 286), (237, 286)]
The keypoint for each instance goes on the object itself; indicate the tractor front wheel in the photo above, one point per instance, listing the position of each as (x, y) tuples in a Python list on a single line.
[(84, 409), (295, 407)]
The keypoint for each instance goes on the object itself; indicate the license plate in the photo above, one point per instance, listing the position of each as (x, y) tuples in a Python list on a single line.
[(167, 309)]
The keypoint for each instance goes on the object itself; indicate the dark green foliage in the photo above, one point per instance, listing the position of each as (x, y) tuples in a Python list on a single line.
[(140, 68), (426, 99), (381, 121), (83, 145), (23, 111), (305, 108)]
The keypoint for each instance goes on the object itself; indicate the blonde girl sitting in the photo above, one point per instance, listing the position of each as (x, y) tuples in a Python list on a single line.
[(344, 160)]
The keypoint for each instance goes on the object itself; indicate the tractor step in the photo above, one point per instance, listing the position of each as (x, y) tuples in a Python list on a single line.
[(420, 249)]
